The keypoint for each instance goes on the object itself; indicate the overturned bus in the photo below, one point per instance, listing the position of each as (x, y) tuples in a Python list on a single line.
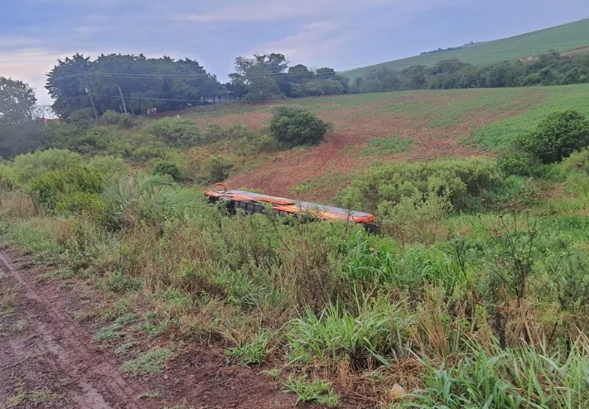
[(251, 202)]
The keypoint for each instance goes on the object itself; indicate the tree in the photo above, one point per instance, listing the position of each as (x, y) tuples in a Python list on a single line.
[(294, 126), (261, 75), (19, 130), (67, 85)]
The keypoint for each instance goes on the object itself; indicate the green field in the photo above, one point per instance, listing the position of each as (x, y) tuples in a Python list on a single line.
[(561, 38)]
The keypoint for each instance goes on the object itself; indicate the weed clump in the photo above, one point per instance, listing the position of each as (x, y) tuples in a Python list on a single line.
[(150, 362)]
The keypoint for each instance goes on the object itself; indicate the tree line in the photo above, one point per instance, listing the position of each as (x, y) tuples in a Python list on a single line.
[(134, 83), (548, 69)]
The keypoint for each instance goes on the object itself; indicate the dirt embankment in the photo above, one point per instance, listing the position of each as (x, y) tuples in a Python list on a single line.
[(48, 358)]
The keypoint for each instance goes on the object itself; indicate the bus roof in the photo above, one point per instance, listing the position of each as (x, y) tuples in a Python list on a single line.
[(300, 204)]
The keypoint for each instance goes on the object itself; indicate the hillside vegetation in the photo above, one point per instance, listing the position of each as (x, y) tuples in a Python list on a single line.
[(396, 126), (561, 38)]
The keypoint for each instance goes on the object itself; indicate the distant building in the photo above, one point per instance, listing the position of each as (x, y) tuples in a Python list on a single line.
[(527, 60)]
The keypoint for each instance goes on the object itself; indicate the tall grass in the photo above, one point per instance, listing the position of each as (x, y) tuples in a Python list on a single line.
[(527, 377)]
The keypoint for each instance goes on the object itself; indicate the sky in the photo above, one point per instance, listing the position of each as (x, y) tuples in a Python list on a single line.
[(342, 34)]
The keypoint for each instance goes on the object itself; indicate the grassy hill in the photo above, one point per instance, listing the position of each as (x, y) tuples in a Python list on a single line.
[(562, 38), (394, 126)]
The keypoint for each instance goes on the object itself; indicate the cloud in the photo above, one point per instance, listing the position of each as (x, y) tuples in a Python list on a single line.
[(274, 10), (31, 66), (312, 43), (13, 42), (91, 29)]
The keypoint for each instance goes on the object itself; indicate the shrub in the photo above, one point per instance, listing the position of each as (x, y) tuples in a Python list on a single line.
[(81, 117), (176, 132), (107, 166), (94, 140), (168, 168), (35, 164), (54, 187), (295, 126), (217, 168), (151, 150), (578, 162), (214, 133), (464, 182), (520, 163), (414, 218), (7, 178), (116, 118), (153, 199), (557, 136)]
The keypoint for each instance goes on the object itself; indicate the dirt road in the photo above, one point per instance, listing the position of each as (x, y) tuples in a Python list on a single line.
[(49, 360)]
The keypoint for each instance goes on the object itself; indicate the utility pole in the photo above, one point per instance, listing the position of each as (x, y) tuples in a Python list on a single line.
[(122, 99), (87, 89)]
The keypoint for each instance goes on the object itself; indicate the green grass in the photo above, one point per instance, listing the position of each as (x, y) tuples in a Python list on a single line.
[(561, 38), (317, 391), (499, 134), (252, 353), (147, 363), (36, 398), (114, 330), (386, 146), (7, 303)]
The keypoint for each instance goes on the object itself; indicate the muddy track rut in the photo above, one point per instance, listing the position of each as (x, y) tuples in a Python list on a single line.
[(53, 348)]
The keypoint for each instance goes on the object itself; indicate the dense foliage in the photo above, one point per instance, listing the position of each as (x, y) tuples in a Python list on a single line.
[(19, 130), (144, 83), (557, 137), (294, 126), (265, 77)]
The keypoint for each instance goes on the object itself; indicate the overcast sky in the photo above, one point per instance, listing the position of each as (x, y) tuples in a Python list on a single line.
[(338, 33)]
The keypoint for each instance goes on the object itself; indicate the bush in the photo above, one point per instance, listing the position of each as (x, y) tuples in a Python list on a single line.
[(153, 199), (214, 133), (151, 150), (52, 188), (414, 218), (520, 163), (464, 182), (217, 168), (168, 168), (7, 178), (557, 136), (176, 132), (578, 162), (116, 118), (295, 126), (94, 140), (31, 165), (82, 118)]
